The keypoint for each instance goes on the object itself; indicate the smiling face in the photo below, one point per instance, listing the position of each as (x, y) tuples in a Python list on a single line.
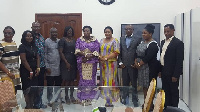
[(168, 32), (36, 27), (86, 32), (108, 33), (29, 37), (129, 30), (69, 33), (54, 33), (8, 34), (146, 35)]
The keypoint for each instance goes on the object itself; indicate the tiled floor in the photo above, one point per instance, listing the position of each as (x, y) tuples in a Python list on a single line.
[(100, 102)]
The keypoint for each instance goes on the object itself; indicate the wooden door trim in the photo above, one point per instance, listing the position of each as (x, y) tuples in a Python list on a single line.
[(58, 14)]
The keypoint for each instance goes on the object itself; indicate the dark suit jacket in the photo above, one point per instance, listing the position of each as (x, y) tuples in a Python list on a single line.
[(127, 55), (173, 59)]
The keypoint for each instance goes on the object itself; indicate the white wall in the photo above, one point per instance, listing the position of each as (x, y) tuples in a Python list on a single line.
[(21, 13), (186, 65), (179, 34), (195, 61)]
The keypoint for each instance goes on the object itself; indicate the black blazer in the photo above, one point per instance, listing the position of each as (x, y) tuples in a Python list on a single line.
[(173, 59)]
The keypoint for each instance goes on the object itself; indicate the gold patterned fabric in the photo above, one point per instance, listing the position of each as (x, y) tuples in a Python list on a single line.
[(149, 97), (87, 71), (160, 101), (7, 95)]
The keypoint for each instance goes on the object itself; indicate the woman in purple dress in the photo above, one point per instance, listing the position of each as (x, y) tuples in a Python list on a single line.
[(87, 51)]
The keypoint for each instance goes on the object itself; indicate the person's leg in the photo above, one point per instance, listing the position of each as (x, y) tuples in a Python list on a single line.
[(58, 81), (72, 92), (133, 77), (166, 88), (50, 82), (38, 100), (126, 82), (27, 98), (174, 93), (107, 92), (67, 83), (145, 92), (41, 76), (32, 96)]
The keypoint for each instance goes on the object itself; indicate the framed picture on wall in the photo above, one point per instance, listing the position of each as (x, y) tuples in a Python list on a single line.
[(138, 28)]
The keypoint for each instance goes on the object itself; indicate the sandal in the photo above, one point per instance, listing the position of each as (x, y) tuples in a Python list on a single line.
[(86, 102), (73, 100), (67, 100), (109, 105), (61, 108)]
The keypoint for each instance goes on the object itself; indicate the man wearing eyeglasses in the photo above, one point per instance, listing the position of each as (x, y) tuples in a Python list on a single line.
[(128, 46)]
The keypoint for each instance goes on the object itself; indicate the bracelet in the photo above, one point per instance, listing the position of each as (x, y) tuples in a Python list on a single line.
[(95, 53), (86, 54), (31, 73), (106, 59), (8, 73), (38, 69)]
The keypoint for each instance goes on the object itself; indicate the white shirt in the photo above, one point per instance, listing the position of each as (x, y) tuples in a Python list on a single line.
[(164, 48)]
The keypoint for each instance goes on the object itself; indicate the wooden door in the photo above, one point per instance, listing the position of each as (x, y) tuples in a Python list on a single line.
[(60, 21)]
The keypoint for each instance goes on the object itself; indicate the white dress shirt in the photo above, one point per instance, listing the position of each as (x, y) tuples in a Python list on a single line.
[(164, 48)]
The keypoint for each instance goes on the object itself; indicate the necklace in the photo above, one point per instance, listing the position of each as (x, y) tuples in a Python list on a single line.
[(69, 39)]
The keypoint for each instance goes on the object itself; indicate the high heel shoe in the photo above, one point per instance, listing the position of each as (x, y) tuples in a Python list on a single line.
[(67, 100)]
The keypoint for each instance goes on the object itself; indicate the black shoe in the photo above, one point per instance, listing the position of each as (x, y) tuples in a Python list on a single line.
[(43, 106), (152, 107), (36, 107), (50, 104), (123, 101), (67, 100), (109, 105)]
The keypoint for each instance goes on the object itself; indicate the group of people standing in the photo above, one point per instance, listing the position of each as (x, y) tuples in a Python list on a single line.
[(61, 59), (138, 59)]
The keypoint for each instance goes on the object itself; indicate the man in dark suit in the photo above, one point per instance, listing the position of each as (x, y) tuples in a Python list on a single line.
[(171, 59), (128, 46)]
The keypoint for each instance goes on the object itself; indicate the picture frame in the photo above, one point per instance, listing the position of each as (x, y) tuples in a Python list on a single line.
[(138, 28)]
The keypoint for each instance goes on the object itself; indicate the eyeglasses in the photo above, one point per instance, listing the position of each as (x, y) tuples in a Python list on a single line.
[(128, 29), (36, 27), (7, 33)]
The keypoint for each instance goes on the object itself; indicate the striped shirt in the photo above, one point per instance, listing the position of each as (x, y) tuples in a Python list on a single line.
[(9, 56)]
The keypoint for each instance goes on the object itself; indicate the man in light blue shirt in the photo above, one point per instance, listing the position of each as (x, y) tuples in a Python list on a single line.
[(126, 58)]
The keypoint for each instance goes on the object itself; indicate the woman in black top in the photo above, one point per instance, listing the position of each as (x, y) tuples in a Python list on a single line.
[(146, 59), (68, 64), (29, 68)]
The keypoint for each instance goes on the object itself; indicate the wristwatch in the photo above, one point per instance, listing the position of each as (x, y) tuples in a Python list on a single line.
[(120, 63)]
